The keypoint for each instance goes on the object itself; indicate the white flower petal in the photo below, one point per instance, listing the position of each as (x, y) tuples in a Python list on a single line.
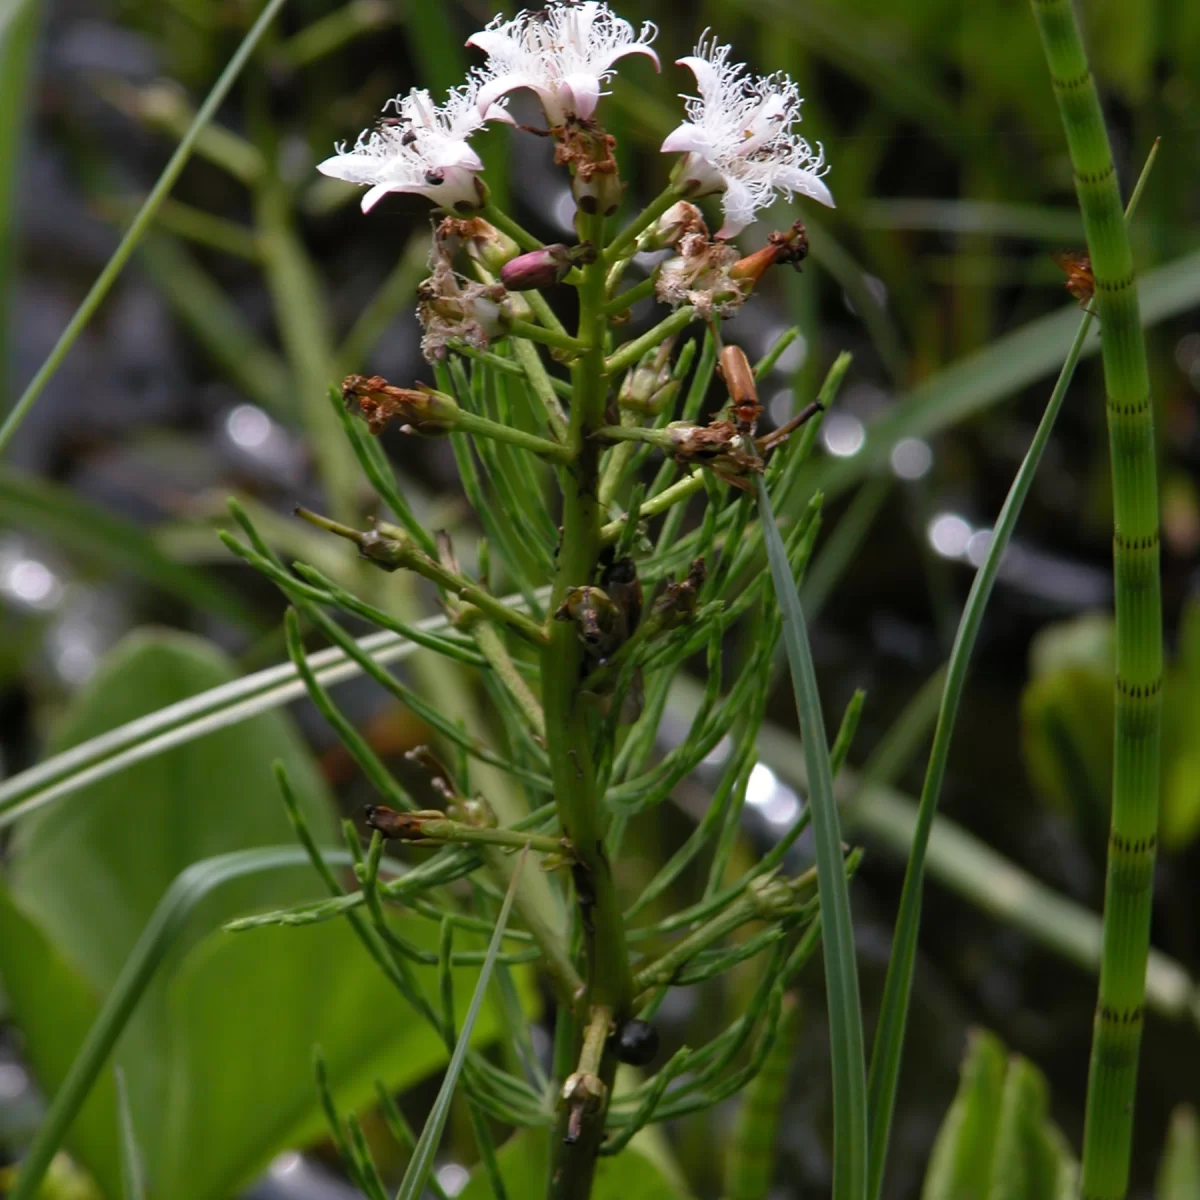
[(606, 61), (794, 179), (687, 139), (353, 168), (708, 77), (501, 86), (580, 93), (377, 193), (495, 113), (455, 154), (493, 42), (738, 204)]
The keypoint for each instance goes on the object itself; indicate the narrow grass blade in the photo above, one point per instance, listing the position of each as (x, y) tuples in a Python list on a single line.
[(133, 1184), (145, 215), (187, 720), (421, 1163), (841, 972), (893, 1016)]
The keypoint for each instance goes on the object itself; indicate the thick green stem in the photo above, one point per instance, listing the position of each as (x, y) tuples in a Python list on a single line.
[(1112, 1078), (609, 983)]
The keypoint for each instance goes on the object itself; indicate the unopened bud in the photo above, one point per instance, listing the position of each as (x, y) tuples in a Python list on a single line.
[(544, 267), (676, 223), (537, 269), (599, 192), (390, 553), (790, 247), (423, 410), (648, 387), (482, 241)]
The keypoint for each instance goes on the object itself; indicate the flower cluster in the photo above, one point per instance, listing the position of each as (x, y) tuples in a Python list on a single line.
[(422, 148), (740, 138), (563, 53)]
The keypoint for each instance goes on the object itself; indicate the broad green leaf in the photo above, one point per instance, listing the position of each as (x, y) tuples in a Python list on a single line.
[(88, 872), (524, 1163), (108, 543), (244, 1013), (55, 1007), (1179, 1169), (91, 870), (960, 1164)]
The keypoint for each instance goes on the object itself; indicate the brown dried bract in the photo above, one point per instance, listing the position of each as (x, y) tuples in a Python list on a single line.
[(620, 581), (585, 147), (717, 445), (679, 599), (400, 826), (423, 410), (1081, 282)]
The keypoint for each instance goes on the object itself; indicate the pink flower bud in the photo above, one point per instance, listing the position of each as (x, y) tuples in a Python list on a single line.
[(537, 269)]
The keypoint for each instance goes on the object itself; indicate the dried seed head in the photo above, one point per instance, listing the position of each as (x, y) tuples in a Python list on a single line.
[(601, 624), (423, 410), (781, 248), (450, 309), (588, 151), (678, 600), (700, 275)]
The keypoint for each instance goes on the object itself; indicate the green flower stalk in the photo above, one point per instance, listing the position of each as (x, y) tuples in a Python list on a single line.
[(1112, 1077), (569, 672)]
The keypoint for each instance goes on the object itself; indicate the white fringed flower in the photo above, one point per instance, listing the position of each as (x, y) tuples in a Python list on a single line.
[(739, 139), (422, 149), (563, 53)]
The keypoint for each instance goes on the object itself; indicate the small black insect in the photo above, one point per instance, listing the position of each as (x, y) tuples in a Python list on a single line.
[(636, 1043)]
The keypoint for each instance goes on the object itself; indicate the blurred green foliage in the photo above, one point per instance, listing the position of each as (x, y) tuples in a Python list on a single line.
[(218, 1053), (1067, 726)]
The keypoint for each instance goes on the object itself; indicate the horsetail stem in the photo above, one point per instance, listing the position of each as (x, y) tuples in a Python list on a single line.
[(1112, 1077)]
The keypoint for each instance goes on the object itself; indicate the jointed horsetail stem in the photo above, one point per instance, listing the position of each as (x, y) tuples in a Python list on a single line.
[(1112, 1077)]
